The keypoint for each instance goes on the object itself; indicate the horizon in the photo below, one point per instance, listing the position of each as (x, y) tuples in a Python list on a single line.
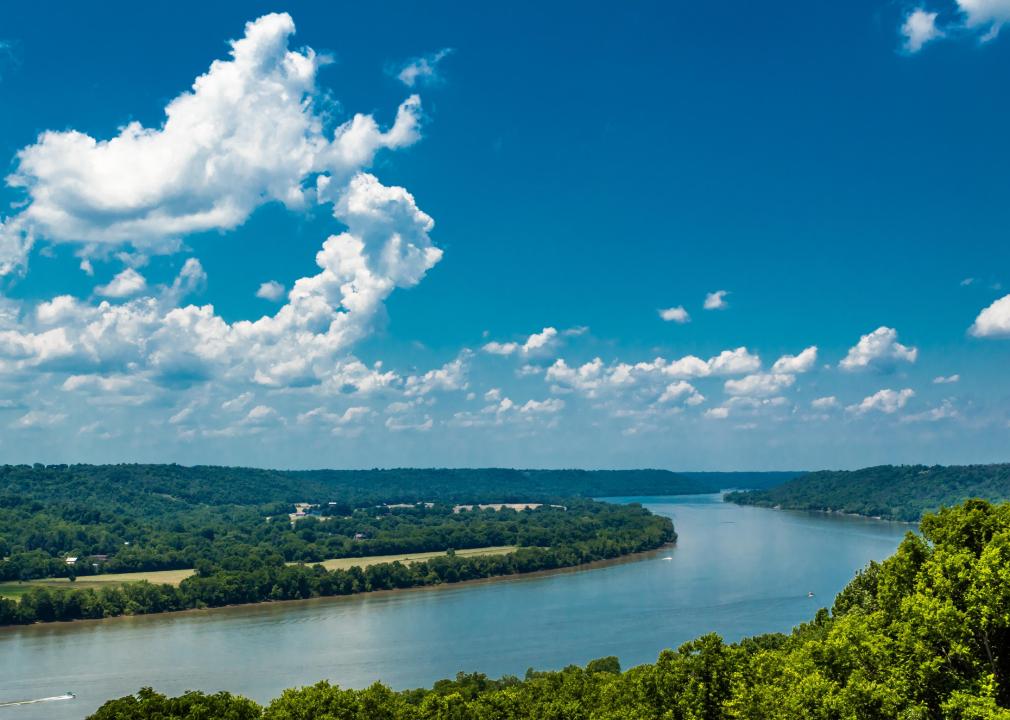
[(653, 237)]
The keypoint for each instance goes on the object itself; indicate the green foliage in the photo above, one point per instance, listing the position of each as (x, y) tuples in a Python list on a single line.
[(924, 635), (240, 556), (902, 492)]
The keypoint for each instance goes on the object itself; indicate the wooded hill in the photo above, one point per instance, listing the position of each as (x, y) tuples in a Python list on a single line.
[(894, 492)]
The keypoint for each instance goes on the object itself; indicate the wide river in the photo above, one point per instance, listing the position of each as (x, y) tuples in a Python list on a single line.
[(735, 570)]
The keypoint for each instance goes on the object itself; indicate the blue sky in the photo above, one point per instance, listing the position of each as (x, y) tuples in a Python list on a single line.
[(503, 200)]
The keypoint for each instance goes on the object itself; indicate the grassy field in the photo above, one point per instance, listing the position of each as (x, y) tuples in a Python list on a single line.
[(363, 562), (174, 577)]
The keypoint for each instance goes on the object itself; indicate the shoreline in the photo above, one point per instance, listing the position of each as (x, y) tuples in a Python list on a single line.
[(592, 565), (826, 512)]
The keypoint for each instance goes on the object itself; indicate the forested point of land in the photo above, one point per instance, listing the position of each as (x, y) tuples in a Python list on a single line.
[(893, 492), (923, 635), (249, 540)]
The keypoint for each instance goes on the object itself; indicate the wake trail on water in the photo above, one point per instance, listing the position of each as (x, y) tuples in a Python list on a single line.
[(14, 703)]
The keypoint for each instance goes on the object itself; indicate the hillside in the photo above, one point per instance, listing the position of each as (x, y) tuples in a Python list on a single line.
[(895, 492)]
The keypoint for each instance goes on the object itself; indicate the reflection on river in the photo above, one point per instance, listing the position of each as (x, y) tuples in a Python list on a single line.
[(735, 570)]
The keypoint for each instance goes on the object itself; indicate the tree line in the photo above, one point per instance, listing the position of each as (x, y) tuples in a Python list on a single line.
[(893, 492), (924, 635), (567, 538)]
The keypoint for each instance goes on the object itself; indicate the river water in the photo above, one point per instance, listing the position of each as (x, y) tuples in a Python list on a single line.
[(735, 570)]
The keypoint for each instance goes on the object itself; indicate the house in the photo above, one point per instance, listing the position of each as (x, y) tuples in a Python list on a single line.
[(71, 561)]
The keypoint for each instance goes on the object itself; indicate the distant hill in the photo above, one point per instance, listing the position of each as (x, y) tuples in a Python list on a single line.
[(743, 480), (155, 489), (896, 492)]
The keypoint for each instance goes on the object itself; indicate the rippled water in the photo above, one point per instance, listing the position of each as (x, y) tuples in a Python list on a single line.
[(735, 570)]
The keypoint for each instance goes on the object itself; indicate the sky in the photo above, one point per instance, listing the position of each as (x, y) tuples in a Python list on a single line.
[(692, 236)]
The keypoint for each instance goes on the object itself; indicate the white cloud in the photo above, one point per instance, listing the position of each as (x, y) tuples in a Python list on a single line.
[(941, 380), (717, 413), (128, 282), (536, 344), (38, 419), (396, 425), (760, 384), (271, 290), (423, 69), (879, 349), (675, 314), (450, 377), (595, 377), (246, 134), (716, 300), (886, 401), (824, 403), (237, 403), (987, 15), (549, 406), (944, 411), (734, 362), (919, 28), (796, 364), (993, 321), (681, 390)]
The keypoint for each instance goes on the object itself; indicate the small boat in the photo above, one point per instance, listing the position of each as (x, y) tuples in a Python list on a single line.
[(668, 558), (810, 594)]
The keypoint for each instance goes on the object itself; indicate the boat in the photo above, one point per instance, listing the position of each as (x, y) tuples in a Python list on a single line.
[(810, 594)]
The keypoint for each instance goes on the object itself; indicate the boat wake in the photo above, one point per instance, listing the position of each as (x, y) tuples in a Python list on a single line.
[(65, 696)]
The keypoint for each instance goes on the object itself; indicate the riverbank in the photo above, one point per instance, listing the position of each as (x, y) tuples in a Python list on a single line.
[(14, 590), (515, 577)]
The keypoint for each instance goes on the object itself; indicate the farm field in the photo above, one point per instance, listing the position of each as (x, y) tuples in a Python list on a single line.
[(15, 590)]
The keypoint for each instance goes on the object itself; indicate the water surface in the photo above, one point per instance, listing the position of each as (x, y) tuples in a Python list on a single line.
[(735, 570)]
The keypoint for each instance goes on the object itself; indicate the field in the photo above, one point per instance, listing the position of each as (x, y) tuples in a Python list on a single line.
[(15, 590), (345, 563)]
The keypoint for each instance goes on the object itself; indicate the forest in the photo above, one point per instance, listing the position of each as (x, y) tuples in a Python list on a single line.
[(140, 518), (268, 549), (923, 635), (893, 492)]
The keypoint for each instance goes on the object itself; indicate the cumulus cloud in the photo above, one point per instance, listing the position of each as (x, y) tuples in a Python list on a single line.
[(759, 384), (879, 349), (942, 380), (986, 16), (450, 377), (918, 29), (247, 133), (128, 282), (681, 391), (886, 401), (795, 364), (271, 290), (993, 321), (595, 377), (716, 300), (824, 403), (536, 344), (717, 413), (422, 69), (675, 314)]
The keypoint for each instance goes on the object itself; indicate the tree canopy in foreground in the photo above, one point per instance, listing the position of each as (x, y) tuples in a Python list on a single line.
[(923, 635)]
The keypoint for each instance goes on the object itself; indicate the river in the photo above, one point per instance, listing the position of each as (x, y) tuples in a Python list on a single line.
[(735, 570)]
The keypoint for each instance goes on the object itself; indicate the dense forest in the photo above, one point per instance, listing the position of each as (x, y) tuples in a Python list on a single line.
[(131, 518), (895, 492), (923, 635), (250, 541)]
